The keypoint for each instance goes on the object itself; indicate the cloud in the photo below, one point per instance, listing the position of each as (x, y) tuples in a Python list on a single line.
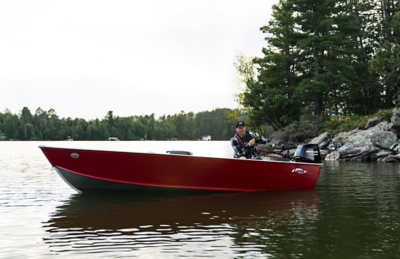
[(84, 58)]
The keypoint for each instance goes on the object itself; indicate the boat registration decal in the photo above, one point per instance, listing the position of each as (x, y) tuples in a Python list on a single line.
[(299, 171)]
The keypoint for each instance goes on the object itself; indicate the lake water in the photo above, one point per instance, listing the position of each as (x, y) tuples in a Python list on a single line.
[(353, 213)]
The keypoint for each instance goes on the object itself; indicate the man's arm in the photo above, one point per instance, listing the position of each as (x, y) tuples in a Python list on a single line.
[(253, 139), (260, 138), (237, 148)]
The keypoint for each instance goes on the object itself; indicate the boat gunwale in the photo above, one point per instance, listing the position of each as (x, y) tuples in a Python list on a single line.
[(162, 154)]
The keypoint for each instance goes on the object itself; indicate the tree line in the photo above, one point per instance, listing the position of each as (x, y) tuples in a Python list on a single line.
[(324, 58), (46, 125)]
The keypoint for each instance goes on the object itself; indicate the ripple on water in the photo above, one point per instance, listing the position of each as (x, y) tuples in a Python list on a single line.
[(193, 226)]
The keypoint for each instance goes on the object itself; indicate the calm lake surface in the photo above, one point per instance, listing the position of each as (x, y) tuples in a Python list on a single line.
[(353, 213)]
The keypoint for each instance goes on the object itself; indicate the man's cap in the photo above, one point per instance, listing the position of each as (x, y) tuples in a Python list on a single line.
[(239, 124)]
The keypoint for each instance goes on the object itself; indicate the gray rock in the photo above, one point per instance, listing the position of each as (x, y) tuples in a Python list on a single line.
[(359, 137), (362, 157), (349, 151), (395, 120), (397, 149), (323, 153), (356, 158), (288, 146), (394, 146), (342, 138), (291, 152), (384, 139), (265, 148), (332, 156), (320, 139), (324, 144), (381, 154), (335, 145), (372, 122), (390, 159), (280, 137), (384, 125), (332, 147)]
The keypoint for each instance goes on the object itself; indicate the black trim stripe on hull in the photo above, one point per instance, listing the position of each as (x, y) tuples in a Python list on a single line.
[(86, 184)]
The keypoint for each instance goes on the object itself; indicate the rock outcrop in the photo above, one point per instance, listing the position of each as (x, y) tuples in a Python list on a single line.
[(377, 142), (322, 140), (372, 122), (395, 120), (384, 139)]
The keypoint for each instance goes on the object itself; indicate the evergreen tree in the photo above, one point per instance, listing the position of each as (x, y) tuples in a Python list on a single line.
[(22, 132), (327, 28), (114, 132), (386, 63), (30, 131), (11, 125), (26, 115), (89, 132), (315, 63), (129, 135), (103, 132), (270, 97)]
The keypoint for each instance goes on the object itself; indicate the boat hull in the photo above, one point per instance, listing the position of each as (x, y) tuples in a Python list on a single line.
[(97, 170)]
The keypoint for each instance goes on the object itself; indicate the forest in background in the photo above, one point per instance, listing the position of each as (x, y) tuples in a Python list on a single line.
[(46, 125), (324, 58)]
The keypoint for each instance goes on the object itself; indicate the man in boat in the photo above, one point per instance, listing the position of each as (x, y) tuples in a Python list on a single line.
[(243, 142)]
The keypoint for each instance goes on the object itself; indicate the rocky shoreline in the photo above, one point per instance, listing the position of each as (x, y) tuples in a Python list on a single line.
[(376, 142)]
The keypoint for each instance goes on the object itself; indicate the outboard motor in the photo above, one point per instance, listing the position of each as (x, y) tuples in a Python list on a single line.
[(307, 154)]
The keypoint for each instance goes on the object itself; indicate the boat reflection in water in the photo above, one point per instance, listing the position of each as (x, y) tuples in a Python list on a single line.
[(219, 224)]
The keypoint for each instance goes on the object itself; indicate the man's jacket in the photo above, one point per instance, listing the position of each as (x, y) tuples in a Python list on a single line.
[(241, 146)]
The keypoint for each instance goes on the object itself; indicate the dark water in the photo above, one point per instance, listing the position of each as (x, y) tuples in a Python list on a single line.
[(353, 213)]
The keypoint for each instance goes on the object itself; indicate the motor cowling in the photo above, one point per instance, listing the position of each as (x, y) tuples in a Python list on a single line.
[(307, 154)]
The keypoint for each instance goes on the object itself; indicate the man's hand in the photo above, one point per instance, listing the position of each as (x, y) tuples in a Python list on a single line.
[(252, 142), (242, 157)]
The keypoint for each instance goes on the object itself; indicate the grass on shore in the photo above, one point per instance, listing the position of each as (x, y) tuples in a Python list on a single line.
[(352, 122), (308, 128)]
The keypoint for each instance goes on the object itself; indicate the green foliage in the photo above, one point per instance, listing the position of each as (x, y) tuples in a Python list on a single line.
[(387, 65), (346, 124), (46, 125), (385, 114), (355, 121), (323, 58)]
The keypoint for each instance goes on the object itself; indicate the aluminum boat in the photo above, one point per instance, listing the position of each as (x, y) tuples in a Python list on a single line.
[(88, 170)]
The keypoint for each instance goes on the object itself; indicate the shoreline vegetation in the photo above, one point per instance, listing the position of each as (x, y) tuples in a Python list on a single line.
[(46, 125), (323, 59), (358, 138), (330, 75)]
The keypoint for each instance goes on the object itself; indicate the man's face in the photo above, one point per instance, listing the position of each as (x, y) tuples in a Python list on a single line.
[(241, 130)]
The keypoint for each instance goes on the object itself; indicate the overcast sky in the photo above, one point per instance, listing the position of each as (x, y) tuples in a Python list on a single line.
[(84, 58)]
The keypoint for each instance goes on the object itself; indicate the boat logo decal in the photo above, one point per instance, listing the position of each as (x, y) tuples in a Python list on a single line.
[(299, 171), (74, 155)]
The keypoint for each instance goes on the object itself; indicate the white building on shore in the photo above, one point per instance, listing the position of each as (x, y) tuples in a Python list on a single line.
[(207, 138)]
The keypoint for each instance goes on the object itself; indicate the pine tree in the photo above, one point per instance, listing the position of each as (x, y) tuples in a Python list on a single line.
[(328, 28), (271, 96)]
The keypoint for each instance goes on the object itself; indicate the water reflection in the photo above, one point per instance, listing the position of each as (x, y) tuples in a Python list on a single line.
[(222, 225)]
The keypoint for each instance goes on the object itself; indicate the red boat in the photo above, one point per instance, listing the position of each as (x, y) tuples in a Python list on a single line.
[(98, 170)]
